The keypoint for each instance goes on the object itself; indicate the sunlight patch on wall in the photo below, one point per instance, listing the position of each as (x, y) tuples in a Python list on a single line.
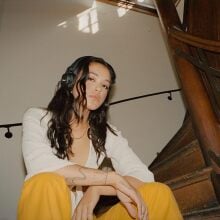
[(62, 24), (123, 9), (88, 20), (146, 3)]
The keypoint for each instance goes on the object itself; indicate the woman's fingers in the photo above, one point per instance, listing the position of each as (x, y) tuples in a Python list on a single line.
[(90, 212), (127, 202), (131, 209), (123, 186), (145, 215), (133, 194), (78, 213), (84, 213), (144, 212), (74, 216), (84, 209)]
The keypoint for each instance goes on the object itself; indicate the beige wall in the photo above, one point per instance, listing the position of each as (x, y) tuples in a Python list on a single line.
[(38, 39)]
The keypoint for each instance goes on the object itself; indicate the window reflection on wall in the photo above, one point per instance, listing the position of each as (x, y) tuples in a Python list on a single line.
[(88, 20), (123, 9)]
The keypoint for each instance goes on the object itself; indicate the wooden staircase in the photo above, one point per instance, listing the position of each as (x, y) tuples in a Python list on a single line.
[(190, 162), (183, 167)]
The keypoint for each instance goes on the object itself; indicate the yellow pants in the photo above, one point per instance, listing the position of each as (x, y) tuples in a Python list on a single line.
[(46, 196)]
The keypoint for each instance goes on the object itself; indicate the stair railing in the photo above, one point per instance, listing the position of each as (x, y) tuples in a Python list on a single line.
[(198, 103)]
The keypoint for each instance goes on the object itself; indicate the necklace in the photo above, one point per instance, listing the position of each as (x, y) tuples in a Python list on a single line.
[(83, 134)]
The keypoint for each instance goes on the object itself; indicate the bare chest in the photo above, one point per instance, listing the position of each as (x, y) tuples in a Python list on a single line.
[(80, 149)]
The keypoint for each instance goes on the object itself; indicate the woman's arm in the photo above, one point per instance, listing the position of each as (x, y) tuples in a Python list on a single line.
[(76, 175), (124, 159), (102, 183), (136, 183), (91, 197)]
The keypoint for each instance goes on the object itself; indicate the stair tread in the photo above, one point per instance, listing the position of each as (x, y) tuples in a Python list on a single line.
[(206, 213), (183, 136), (174, 156), (193, 176)]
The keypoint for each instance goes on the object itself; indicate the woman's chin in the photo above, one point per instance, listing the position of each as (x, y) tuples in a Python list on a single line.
[(92, 107)]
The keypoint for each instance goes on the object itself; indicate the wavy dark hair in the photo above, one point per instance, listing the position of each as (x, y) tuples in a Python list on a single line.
[(63, 106)]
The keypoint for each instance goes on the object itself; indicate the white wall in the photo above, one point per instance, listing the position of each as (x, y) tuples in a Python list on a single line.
[(39, 39)]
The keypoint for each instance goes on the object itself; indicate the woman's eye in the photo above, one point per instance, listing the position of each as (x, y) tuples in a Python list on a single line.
[(91, 79), (106, 87)]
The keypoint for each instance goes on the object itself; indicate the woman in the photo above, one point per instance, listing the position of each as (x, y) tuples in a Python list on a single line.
[(64, 145)]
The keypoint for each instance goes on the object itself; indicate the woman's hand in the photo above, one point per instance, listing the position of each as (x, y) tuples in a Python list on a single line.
[(128, 195), (84, 210), (131, 206)]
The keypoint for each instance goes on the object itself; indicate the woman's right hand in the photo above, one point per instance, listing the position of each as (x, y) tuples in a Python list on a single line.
[(128, 195)]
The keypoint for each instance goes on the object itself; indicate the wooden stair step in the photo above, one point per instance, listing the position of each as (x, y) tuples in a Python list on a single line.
[(185, 160), (194, 191), (183, 137), (204, 214)]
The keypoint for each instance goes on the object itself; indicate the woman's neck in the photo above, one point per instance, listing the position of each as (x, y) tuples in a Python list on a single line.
[(83, 122)]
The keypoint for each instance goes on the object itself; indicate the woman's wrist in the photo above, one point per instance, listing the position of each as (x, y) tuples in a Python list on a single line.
[(103, 190), (96, 189), (111, 178)]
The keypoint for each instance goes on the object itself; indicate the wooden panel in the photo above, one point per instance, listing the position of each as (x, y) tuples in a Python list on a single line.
[(205, 214), (196, 196), (203, 20), (184, 161), (184, 136), (196, 98), (194, 191)]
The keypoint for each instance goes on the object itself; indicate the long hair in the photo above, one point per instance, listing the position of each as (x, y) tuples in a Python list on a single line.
[(64, 105)]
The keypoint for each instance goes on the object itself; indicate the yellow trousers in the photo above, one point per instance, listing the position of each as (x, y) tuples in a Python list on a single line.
[(46, 196)]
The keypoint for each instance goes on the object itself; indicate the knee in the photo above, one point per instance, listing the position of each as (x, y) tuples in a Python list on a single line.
[(162, 187), (156, 188), (46, 179)]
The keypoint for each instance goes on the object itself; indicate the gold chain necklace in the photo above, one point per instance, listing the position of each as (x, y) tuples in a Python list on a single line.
[(83, 134)]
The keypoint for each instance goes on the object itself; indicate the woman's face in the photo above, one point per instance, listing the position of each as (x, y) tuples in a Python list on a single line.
[(97, 86)]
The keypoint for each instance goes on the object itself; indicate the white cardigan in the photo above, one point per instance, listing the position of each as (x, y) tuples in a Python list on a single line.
[(40, 157)]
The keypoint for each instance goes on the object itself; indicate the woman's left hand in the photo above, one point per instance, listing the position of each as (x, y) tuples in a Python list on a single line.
[(84, 210)]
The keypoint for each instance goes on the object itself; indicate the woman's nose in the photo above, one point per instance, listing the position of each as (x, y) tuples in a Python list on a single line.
[(98, 88)]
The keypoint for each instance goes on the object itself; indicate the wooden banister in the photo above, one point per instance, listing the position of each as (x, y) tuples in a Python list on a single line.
[(197, 100), (195, 41)]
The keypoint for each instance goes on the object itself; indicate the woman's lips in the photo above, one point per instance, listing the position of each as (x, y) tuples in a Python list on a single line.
[(93, 97)]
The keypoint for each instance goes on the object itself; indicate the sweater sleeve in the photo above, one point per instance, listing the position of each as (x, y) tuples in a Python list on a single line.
[(124, 160), (37, 152)]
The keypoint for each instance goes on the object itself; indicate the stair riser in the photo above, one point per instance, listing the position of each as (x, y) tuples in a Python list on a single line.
[(186, 162), (202, 217), (197, 196)]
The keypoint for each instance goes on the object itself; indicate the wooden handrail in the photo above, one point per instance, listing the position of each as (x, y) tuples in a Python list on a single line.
[(195, 41)]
